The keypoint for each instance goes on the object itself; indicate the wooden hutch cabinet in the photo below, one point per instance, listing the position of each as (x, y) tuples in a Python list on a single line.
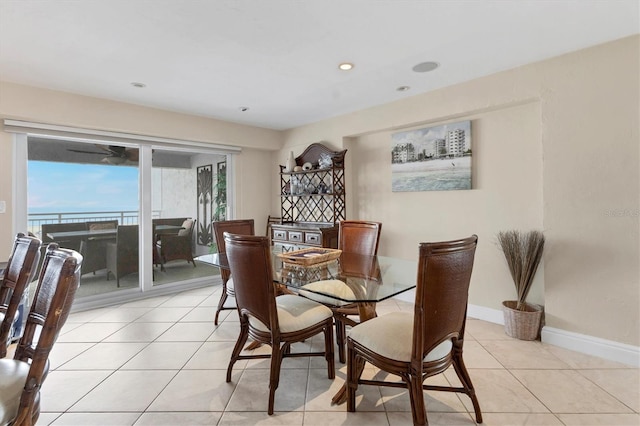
[(312, 201)]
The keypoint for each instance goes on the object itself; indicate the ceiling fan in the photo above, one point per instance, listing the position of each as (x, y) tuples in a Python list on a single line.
[(115, 154)]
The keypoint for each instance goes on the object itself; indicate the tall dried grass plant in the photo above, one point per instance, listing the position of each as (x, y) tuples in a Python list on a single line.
[(523, 252)]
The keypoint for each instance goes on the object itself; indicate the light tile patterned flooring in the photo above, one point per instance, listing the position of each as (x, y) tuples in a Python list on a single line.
[(161, 361)]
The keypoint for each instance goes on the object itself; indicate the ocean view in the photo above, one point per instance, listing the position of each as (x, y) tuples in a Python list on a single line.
[(70, 188), (432, 175)]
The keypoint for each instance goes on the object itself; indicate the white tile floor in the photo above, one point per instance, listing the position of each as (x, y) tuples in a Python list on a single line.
[(161, 361)]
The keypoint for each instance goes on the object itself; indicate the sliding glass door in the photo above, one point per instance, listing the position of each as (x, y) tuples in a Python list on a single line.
[(187, 195), (85, 197), (139, 214)]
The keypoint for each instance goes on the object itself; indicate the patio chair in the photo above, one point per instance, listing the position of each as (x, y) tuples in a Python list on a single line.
[(22, 263), (94, 249), (175, 221), (122, 255), (177, 246), (22, 377), (238, 226), (278, 322), (423, 344)]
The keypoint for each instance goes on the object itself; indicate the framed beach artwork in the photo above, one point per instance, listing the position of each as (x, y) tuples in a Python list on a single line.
[(432, 158)]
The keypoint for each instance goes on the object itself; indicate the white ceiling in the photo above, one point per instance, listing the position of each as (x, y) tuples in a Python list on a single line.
[(280, 57)]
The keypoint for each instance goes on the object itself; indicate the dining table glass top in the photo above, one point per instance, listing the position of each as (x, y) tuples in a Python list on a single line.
[(349, 278)]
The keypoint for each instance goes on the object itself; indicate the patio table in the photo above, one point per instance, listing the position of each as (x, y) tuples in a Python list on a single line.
[(89, 233)]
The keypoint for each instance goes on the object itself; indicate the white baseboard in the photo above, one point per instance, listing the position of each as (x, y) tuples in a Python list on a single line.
[(607, 349), (486, 314)]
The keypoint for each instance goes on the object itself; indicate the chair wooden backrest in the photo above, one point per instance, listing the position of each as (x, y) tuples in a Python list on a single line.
[(250, 262), (444, 274), (237, 226), (272, 220), (359, 266), (358, 236), (22, 263), (57, 285)]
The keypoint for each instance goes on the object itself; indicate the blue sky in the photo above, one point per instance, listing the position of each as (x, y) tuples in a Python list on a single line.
[(67, 187)]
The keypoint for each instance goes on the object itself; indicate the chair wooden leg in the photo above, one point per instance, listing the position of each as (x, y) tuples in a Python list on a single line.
[(274, 376), (340, 339), (416, 395), (355, 367), (465, 379), (328, 350), (223, 299), (242, 339)]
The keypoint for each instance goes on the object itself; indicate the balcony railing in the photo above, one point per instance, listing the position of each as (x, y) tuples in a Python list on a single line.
[(130, 217)]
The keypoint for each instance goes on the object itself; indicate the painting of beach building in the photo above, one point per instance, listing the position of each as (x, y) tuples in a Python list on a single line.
[(432, 159)]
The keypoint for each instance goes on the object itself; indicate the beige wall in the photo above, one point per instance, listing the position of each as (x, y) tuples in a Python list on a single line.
[(556, 147), (47, 106)]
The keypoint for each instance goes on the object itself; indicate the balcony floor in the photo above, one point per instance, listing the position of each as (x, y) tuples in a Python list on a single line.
[(177, 270)]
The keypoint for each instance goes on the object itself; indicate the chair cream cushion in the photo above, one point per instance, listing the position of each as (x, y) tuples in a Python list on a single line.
[(230, 286), (295, 313), (337, 287), (13, 376), (186, 225), (391, 336)]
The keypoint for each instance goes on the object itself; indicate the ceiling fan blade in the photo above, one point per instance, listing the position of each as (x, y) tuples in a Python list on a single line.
[(119, 151), (85, 152), (132, 154), (113, 154)]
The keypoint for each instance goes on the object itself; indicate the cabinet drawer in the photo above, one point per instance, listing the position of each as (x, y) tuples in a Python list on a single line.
[(312, 238), (295, 236), (279, 235)]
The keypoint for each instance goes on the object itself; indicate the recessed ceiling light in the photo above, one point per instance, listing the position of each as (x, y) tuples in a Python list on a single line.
[(345, 66), (243, 109), (425, 66), (403, 88), (138, 85)]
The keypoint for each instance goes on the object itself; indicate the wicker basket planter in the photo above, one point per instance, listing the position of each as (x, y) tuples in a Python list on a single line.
[(523, 325)]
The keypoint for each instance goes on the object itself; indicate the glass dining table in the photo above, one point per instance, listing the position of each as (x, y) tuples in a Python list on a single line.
[(350, 278), (365, 279)]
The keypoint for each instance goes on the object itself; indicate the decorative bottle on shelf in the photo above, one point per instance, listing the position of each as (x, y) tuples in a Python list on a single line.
[(291, 163)]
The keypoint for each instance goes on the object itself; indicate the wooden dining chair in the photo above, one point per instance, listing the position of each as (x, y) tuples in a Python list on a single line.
[(272, 220), (278, 322), (358, 237), (23, 261), (22, 376), (237, 226), (420, 345)]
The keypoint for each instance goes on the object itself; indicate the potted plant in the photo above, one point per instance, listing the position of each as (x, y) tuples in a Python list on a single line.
[(523, 252)]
